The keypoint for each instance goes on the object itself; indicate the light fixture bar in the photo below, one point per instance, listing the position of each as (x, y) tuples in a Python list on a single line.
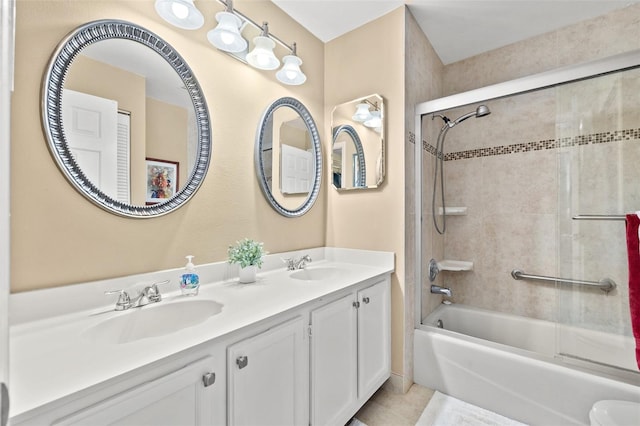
[(256, 25), (374, 105)]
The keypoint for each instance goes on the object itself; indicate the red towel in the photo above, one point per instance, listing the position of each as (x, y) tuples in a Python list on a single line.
[(633, 253)]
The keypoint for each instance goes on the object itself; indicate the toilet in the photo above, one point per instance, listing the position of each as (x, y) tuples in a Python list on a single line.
[(615, 413)]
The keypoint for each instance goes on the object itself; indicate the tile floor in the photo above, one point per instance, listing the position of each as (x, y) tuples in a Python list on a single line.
[(386, 408)]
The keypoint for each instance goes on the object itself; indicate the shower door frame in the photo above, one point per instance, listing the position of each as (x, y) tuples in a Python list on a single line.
[(517, 86)]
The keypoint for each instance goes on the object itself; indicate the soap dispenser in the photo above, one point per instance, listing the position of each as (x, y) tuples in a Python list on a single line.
[(189, 281)]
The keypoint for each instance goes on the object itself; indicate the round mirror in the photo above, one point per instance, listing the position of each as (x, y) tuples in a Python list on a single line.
[(288, 157), (125, 119)]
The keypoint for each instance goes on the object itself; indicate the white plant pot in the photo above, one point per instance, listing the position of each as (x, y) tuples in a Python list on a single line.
[(248, 274)]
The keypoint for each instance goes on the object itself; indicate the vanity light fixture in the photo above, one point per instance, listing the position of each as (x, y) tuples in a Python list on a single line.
[(290, 73), (362, 113), (226, 36), (180, 13), (375, 121), (262, 56)]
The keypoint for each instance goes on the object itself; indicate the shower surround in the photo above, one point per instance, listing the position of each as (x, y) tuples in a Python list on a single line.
[(426, 79), (523, 172)]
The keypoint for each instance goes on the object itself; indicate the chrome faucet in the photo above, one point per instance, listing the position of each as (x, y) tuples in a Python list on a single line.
[(149, 294), (436, 289), (293, 264)]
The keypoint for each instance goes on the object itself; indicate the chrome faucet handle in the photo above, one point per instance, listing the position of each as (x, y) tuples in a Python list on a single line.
[(124, 301), (303, 261), (290, 262), (153, 292)]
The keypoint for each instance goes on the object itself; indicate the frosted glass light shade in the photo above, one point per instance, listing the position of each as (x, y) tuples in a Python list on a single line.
[(226, 36), (375, 120), (362, 113), (262, 56), (290, 73), (180, 13)]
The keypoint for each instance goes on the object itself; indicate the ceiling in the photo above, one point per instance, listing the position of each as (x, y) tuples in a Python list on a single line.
[(457, 29)]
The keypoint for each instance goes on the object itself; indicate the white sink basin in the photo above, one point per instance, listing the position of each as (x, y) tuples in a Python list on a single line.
[(317, 274), (153, 320)]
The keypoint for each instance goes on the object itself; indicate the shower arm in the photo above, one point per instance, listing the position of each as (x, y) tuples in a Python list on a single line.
[(464, 117)]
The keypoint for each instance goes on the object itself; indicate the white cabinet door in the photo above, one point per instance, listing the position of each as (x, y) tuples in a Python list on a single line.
[(268, 377), (374, 338), (333, 362), (182, 398)]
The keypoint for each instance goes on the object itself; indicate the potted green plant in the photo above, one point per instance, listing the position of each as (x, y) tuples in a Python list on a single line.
[(248, 254)]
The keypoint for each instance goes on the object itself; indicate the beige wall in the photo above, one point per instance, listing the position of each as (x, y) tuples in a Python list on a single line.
[(370, 60), (58, 237), (167, 135)]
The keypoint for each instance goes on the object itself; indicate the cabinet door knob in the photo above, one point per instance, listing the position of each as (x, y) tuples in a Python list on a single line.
[(356, 305), (365, 300), (209, 379), (242, 361)]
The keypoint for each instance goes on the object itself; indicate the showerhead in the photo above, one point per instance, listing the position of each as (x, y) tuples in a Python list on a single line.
[(481, 111)]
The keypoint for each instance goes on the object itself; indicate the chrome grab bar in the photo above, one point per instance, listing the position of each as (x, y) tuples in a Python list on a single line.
[(605, 284), (599, 217)]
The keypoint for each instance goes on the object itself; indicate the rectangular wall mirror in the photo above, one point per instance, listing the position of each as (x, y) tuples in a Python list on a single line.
[(357, 149)]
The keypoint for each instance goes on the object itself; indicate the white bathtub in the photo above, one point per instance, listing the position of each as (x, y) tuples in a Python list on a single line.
[(506, 364)]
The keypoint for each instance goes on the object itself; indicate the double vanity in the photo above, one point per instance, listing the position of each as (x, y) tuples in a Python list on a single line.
[(296, 347)]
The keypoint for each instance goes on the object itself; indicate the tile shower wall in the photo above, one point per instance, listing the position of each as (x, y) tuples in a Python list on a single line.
[(523, 172), (496, 168), (423, 71)]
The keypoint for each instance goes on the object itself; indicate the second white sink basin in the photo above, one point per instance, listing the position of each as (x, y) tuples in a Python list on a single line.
[(317, 274), (153, 320)]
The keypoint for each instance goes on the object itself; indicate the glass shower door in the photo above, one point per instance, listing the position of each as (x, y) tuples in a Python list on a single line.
[(598, 122)]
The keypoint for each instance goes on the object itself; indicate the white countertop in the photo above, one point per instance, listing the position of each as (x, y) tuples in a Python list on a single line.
[(53, 355)]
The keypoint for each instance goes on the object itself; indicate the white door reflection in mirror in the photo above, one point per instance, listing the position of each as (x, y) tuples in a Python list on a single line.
[(338, 163), (295, 170), (92, 133), (291, 158)]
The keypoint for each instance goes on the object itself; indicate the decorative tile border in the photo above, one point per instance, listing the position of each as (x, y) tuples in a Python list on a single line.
[(595, 138)]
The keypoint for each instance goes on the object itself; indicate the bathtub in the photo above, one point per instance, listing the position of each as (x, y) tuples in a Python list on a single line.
[(507, 364)]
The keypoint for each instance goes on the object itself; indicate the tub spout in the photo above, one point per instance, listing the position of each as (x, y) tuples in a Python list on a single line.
[(436, 289)]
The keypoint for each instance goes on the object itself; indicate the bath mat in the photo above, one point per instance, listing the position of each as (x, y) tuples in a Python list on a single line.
[(444, 410), (356, 422)]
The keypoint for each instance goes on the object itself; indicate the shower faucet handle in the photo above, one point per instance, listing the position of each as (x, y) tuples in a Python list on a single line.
[(434, 269)]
